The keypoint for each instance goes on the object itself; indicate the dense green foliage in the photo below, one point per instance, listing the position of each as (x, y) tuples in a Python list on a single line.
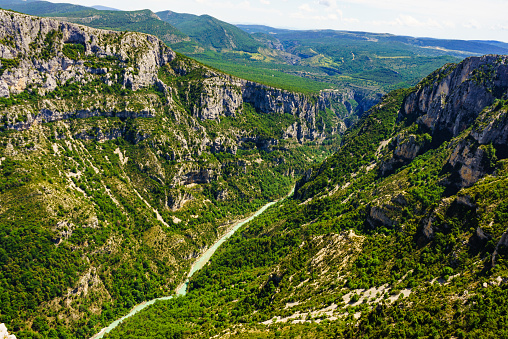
[(74, 51), (143, 21), (7, 64)]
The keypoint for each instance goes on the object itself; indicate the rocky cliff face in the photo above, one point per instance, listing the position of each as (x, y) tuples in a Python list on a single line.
[(38, 47), (42, 58), (4, 334), (447, 103), (454, 121), (225, 96)]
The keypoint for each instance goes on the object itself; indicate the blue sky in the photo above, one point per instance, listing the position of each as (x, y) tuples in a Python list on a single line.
[(456, 19)]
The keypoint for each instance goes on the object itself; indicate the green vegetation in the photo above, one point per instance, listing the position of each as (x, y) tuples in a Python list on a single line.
[(7, 64), (265, 73), (361, 252), (211, 33), (332, 59), (74, 51), (106, 203), (143, 21)]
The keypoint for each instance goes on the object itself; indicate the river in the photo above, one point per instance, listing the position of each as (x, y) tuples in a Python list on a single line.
[(198, 264)]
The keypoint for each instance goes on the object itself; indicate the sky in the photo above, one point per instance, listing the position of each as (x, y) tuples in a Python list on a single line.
[(444, 19)]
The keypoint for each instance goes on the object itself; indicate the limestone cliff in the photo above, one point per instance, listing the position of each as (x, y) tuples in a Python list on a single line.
[(4, 334), (38, 46), (224, 95), (52, 71), (447, 103), (457, 94)]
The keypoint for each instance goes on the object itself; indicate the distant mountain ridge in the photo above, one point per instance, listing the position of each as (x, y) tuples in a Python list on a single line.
[(296, 60), (41, 8), (462, 47), (105, 8), (211, 32)]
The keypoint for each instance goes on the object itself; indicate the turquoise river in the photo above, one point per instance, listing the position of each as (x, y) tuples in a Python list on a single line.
[(200, 262)]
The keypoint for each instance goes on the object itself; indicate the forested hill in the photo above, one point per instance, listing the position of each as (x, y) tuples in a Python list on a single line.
[(401, 233), (212, 33), (121, 161)]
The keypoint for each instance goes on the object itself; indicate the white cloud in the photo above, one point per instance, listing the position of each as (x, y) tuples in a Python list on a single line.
[(313, 12), (472, 24), (326, 3), (410, 21), (351, 20), (265, 2), (500, 27), (306, 8)]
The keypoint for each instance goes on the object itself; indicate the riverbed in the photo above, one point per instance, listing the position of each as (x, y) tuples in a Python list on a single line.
[(198, 264)]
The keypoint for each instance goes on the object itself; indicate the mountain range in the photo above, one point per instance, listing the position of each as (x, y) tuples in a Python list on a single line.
[(306, 61), (123, 160)]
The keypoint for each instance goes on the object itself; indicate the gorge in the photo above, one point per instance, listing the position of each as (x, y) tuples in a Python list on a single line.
[(122, 162)]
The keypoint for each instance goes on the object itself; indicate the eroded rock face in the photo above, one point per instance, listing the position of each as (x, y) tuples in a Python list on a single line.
[(378, 217), (37, 45), (469, 162), (180, 200), (224, 95), (406, 149), (48, 115), (4, 334), (449, 106)]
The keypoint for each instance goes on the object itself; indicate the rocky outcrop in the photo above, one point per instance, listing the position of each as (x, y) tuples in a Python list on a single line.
[(4, 334), (377, 217), (449, 105), (469, 163), (406, 148), (445, 104), (223, 95), (38, 46), (47, 115), (363, 101), (179, 200), (502, 246)]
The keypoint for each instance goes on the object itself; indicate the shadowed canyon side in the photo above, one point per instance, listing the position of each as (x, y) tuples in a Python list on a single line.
[(402, 232), (122, 161)]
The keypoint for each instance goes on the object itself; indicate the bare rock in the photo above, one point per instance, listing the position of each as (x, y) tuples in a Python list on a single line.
[(377, 217), (4, 334), (469, 163)]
